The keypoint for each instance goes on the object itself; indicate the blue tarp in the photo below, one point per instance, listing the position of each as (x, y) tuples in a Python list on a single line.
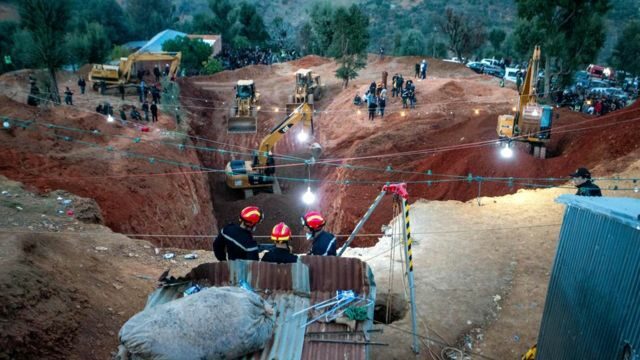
[(155, 44)]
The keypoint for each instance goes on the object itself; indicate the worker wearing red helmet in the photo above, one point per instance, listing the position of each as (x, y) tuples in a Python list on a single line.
[(323, 242), (235, 242), (281, 254)]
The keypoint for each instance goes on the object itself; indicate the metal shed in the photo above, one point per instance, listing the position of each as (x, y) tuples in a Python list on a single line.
[(592, 310)]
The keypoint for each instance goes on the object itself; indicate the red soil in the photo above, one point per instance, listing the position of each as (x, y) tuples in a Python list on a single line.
[(172, 204)]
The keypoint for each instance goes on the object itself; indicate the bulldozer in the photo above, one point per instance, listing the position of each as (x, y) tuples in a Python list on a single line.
[(307, 90), (259, 173), (243, 115), (109, 76), (531, 122)]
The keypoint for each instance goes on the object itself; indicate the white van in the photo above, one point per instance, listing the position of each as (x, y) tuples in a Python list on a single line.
[(510, 74), (492, 62)]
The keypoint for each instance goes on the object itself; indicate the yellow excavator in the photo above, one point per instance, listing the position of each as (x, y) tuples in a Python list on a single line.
[(243, 115), (307, 90), (259, 173), (531, 122), (112, 75)]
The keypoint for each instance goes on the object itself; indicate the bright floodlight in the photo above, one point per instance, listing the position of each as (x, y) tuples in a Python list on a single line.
[(308, 198), (110, 118), (303, 136), (506, 152)]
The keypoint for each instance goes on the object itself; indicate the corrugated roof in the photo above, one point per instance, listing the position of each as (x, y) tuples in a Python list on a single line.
[(292, 287), (592, 308), (623, 210), (155, 44)]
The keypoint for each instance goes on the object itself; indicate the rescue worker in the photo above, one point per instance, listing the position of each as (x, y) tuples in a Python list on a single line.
[(235, 242), (582, 180), (357, 100), (323, 242), (281, 254)]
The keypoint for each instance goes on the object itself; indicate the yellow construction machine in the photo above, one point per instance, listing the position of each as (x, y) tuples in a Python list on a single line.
[(124, 72), (531, 122), (259, 173), (243, 115), (307, 90)]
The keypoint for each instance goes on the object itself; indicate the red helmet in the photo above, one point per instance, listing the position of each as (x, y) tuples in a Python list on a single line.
[(313, 220), (251, 215), (281, 232)]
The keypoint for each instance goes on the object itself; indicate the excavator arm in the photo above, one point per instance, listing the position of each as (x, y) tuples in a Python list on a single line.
[(528, 94), (302, 113), (127, 65)]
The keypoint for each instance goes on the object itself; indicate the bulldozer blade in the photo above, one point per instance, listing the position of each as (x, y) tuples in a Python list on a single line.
[(242, 125)]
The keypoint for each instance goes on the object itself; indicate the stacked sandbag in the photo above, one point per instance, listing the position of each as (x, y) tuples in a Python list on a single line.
[(215, 323)]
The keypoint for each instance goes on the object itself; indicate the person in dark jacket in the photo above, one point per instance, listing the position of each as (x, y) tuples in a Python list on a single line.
[(323, 242), (156, 73), (582, 180), (154, 112), (281, 254), (82, 84), (235, 242), (121, 89), (145, 109), (417, 71), (68, 96)]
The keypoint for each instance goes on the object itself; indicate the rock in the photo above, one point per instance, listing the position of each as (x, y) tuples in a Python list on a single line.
[(118, 287), (101, 248)]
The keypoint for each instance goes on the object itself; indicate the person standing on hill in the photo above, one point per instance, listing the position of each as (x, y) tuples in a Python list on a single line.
[(121, 89), (68, 96), (417, 71), (145, 109), (372, 103), (156, 73), (582, 180), (382, 101), (154, 112), (423, 69), (82, 84)]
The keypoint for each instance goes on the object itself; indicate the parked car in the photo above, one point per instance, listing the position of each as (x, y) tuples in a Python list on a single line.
[(455, 60), (491, 62), (493, 71), (476, 66), (617, 93), (510, 74)]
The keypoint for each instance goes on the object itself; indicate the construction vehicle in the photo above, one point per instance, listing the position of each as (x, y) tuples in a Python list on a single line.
[(531, 122), (307, 90), (110, 76), (259, 173), (243, 115)]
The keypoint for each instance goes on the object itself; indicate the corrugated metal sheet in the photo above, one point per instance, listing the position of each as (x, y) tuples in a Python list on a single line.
[(292, 287), (592, 309)]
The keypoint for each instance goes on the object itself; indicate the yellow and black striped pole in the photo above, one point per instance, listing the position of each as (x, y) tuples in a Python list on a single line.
[(409, 259)]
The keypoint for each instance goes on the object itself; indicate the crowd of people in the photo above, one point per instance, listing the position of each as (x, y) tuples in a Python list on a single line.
[(236, 242), (589, 102), (236, 58), (376, 96)]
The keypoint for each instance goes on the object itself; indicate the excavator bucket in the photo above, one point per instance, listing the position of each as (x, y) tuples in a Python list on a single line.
[(290, 107), (242, 125)]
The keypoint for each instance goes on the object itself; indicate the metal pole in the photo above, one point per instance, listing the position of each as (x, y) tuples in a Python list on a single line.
[(362, 221), (406, 232)]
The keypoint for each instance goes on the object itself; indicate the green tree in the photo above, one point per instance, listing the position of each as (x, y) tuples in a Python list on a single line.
[(496, 37), (626, 54), (212, 66), (222, 18), (45, 23), (195, 52), (148, 17), (89, 45), (349, 42), (107, 13), (322, 15), (306, 39), (249, 23), (412, 43), (571, 33), (464, 34), (7, 31)]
